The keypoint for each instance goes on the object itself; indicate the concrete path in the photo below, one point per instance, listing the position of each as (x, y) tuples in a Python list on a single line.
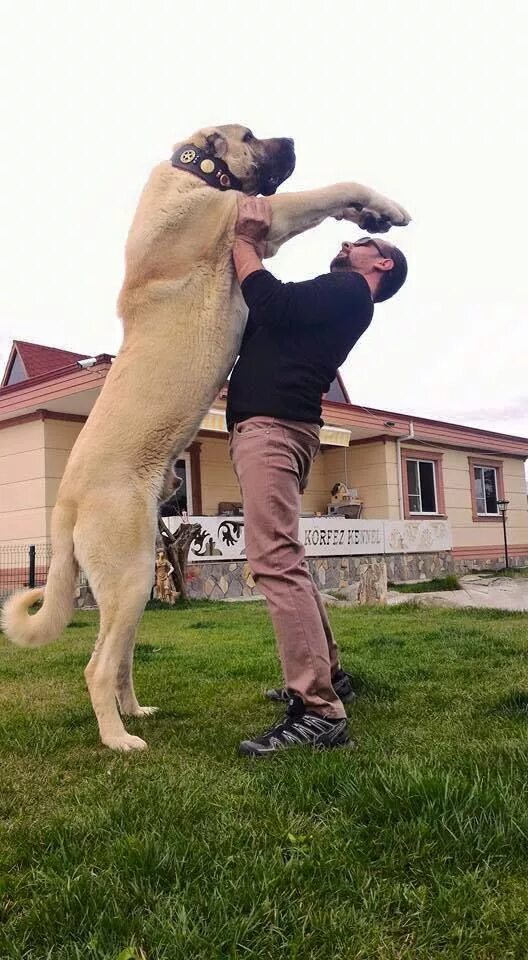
[(502, 593)]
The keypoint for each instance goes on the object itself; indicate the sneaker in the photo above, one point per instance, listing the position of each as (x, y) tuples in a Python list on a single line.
[(341, 682), (300, 728)]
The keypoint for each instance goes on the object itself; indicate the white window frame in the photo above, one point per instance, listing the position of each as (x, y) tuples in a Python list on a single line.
[(422, 513), (486, 513)]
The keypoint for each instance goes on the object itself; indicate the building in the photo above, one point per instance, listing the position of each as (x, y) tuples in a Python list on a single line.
[(430, 489)]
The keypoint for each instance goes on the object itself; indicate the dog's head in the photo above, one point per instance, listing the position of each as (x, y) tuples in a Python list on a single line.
[(260, 165)]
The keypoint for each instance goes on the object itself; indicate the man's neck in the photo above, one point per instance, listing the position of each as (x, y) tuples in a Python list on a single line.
[(372, 280)]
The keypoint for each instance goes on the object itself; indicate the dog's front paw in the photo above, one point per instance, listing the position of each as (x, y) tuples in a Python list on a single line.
[(373, 222), (125, 743), (377, 215)]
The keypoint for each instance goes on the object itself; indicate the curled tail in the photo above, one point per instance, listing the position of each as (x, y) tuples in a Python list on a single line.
[(44, 626)]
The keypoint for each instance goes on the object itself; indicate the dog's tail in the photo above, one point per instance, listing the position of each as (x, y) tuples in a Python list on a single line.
[(44, 626)]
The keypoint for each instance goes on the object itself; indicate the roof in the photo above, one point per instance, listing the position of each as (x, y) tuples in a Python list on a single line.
[(35, 359)]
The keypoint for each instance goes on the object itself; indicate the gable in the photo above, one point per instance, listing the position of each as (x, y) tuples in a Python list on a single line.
[(337, 392), (15, 371), (28, 360)]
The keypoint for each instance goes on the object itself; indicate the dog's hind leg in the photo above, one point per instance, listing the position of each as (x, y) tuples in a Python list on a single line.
[(120, 572), (125, 693), (120, 615)]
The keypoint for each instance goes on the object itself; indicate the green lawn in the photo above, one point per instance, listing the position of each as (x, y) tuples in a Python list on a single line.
[(451, 582), (415, 846)]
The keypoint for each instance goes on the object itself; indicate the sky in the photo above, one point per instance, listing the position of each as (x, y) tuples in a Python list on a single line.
[(425, 102)]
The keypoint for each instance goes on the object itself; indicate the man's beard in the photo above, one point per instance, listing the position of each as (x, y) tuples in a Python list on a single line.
[(340, 262)]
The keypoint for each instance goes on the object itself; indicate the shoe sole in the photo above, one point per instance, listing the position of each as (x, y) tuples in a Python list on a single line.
[(247, 748)]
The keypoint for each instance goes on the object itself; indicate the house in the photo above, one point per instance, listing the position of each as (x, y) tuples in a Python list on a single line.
[(432, 488)]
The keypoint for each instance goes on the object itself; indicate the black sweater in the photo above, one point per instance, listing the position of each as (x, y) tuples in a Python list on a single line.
[(297, 336)]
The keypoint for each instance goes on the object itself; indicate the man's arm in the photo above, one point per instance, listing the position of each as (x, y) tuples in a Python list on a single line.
[(251, 229), (246, 258), (272, 302)]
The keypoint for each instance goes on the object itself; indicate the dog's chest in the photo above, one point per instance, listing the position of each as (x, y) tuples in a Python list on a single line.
[(223, 328)]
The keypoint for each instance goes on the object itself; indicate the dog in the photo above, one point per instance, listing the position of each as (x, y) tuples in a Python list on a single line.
[(183, 319)]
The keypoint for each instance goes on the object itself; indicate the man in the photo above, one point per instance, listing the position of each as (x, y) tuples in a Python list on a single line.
[(297, 336)]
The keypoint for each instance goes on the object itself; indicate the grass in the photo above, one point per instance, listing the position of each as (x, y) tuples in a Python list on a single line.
[(413, 847), (450, 582)]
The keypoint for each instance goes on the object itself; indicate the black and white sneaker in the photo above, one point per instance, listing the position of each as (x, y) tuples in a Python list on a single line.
[(300, 728), (341, 682)]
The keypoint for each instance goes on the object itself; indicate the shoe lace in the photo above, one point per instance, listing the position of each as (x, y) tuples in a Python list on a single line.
[(294, 712)]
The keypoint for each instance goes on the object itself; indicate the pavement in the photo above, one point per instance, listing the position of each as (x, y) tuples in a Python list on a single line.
[(500, 593)]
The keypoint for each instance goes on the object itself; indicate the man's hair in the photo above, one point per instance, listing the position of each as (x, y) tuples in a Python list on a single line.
[(391, 280)]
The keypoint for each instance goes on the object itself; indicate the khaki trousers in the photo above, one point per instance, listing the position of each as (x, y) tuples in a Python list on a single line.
[(272, 460)]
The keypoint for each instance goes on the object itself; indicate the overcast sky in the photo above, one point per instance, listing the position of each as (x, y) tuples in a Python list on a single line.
[(425, 102)]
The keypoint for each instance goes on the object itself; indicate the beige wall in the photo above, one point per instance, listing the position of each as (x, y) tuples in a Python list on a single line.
[(60, 436), (317, 493), (218, 477), (220, 483), (32, 460), (22, 483), (371, 470), (367, 469), (457, 493)]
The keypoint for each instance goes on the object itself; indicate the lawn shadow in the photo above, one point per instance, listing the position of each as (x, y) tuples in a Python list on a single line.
[(514, 704), (372, 688)]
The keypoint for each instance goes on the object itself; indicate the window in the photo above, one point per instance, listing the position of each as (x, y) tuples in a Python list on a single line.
[(17, 372), (486, 488), (179, 501), (421, 486)]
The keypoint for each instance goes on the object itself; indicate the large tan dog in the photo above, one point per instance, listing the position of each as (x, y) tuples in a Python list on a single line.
[(183, 317)]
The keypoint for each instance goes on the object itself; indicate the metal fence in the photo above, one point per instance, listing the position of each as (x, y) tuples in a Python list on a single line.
[(25, 565)]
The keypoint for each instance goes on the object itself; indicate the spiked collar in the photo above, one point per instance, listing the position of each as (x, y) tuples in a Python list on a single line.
[(211, 169)]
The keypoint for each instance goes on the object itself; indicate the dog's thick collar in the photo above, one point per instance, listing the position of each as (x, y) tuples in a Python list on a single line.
[(211, 169)]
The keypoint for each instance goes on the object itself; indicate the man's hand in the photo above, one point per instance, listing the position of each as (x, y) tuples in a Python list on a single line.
[(253, 223)]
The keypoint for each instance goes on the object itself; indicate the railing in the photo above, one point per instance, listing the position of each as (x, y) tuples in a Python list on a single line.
[(25, 565), (222, 538)]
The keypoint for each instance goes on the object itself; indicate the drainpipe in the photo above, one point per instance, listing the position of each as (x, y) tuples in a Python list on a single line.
[(399, 441)]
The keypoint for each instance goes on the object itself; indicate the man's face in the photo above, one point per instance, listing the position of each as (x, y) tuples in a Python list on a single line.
[(360, 257)]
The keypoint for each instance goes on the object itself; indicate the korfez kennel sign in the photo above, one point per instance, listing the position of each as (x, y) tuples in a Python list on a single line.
[(323, 537), (222, 538)]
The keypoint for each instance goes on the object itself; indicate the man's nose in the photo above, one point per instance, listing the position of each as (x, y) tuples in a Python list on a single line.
[(345, 246)]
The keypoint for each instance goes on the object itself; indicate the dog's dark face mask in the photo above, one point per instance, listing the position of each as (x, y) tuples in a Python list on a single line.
[(260, 165), (275, 159)]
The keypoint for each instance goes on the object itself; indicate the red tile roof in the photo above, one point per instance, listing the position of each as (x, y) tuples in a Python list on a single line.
[(38, 359)]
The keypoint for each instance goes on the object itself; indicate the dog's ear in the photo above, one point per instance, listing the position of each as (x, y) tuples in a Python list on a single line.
[(210, 139), (215, 143)]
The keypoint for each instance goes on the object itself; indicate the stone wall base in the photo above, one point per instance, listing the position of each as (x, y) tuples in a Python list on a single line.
[(232, 580), (475, 565), (221, 580)]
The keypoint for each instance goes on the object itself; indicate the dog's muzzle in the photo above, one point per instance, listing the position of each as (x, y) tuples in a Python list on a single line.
[(278, 169)]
